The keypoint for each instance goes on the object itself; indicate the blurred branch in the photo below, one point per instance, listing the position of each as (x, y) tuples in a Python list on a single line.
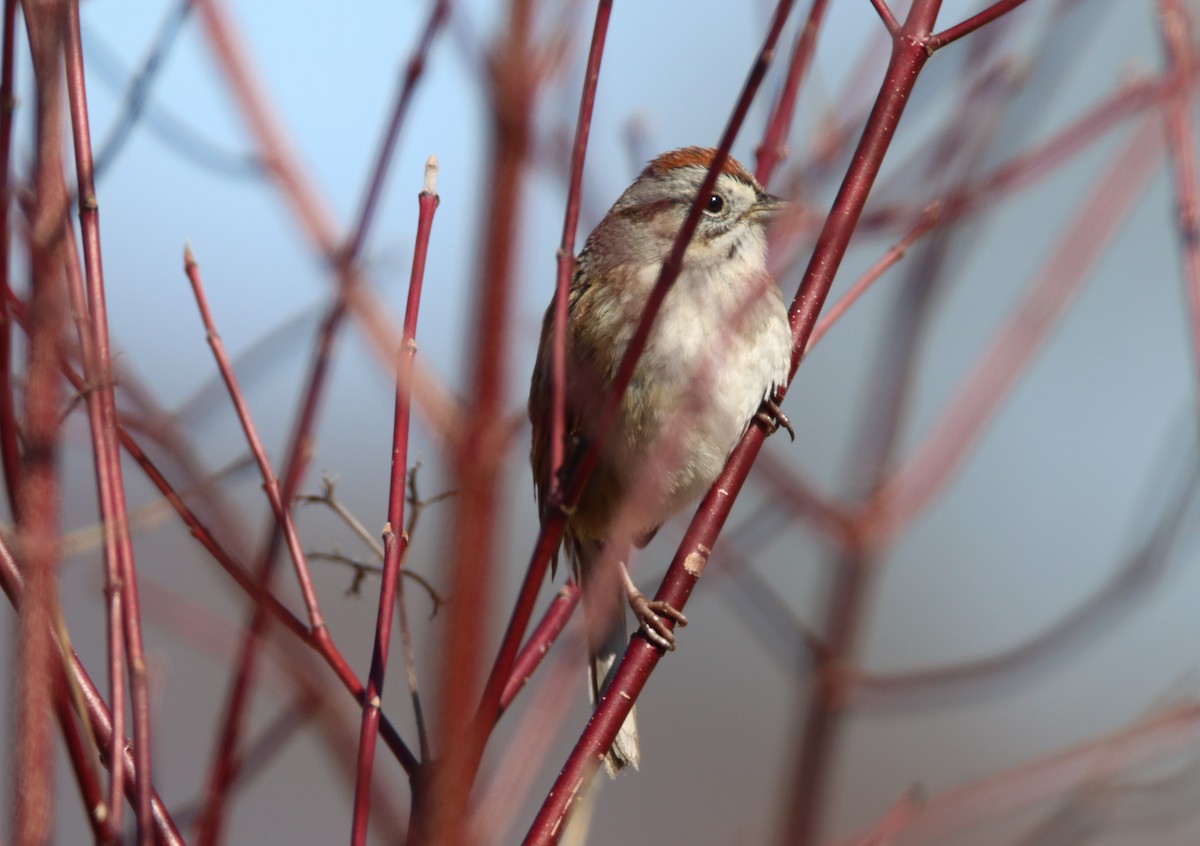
[(138, 107), (772, 150), (10, 450), (1132, 583), (32, 758), (1165, 733), (516, 66), (911, 487), (1181, 142)]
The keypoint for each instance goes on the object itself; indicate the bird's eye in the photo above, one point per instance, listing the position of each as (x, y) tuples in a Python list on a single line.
[(715, 204)]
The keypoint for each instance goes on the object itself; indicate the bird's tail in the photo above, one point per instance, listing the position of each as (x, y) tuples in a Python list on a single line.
[(607, 638)]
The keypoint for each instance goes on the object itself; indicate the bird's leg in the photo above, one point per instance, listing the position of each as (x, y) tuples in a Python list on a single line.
[(772, 417), (650, 613)]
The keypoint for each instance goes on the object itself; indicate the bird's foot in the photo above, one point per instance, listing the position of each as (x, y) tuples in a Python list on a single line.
[(772, 418)]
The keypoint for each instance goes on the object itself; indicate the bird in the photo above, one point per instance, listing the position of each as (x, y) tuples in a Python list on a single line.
[(717, 353)]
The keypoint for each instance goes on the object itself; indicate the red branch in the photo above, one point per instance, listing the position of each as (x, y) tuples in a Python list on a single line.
[(281, 509), (539, 643), (885, 15), (395, 540), (1166, 733), (317, 635), (122, 576), (991, 13)]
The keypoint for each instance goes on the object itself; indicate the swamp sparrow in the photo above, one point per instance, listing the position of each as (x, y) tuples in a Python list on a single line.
[(719, 348)]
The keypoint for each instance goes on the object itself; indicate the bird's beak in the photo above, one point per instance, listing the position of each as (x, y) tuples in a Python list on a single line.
[(769, 205)]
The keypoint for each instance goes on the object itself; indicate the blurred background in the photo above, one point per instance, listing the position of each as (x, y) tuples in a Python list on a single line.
[(1055, 567)]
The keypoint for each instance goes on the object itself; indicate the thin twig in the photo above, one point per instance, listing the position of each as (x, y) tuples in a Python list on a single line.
[(327, 498), (543, 637), (270, 482), (395, 545), (930, 219), (317, 635), (934, 818), (416, 506), (317, 640), (103, 415), (362, 569), (991, 13), (885, 15)]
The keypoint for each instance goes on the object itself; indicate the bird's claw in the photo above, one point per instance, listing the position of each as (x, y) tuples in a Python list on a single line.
[(651, 614), (772, 418)]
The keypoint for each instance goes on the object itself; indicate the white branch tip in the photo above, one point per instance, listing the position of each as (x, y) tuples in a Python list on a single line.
[(431, 171)]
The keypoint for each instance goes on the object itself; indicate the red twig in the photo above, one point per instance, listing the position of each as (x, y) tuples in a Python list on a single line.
[(124, 621), (566, 249), (991, 13), (850, 589), (1181, 141), (114, 578), (1075, 630), (773, 150), (539, 643), (323, 645), (394, 538), (930, 219), (281, 509), (885, 15), (10, 451), (81, 754), (1032, 164), (224, 769)]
